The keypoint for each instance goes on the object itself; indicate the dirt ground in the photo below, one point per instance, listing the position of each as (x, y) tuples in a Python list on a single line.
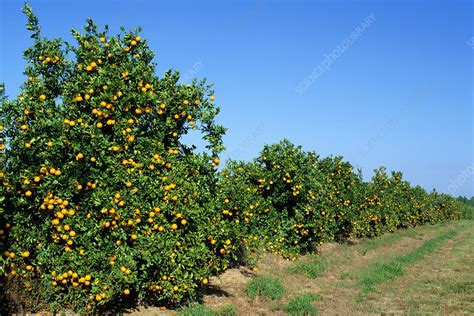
[(442, 282)]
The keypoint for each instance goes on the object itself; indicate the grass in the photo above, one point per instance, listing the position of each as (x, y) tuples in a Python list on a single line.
[(421, 270), (387, 240), (201, 310), (381, 241), (461, 287), (428, 247), (441, 283), (301, 305), (312, 268), (381, 272), (265, 286)]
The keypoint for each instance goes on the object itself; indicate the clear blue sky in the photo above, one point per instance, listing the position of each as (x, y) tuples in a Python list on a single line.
[(400, 95)]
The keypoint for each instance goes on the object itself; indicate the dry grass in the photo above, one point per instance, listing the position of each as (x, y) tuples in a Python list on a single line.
[(443, 283), (439, 282)]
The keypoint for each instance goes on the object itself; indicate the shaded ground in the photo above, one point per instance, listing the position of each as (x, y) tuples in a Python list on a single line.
[(440, 281)]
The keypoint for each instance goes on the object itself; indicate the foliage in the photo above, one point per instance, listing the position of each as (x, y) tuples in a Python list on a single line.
[(303, 200), (466, 201), (468, 207), (271, 196), (102, 200)]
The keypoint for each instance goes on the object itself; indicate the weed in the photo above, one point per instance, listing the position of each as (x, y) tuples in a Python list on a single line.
[(265, 286), (301, 305)]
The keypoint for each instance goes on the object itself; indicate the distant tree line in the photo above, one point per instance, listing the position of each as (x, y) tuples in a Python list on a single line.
[(465, 200)]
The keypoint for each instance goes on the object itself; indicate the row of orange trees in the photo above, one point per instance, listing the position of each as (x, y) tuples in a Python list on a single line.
[(102, 202), (294, 200)]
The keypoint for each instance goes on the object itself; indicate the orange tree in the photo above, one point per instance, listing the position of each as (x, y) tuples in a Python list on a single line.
[(391, 203), (3, 226), (267, 201), (337, 202), (101, 200)]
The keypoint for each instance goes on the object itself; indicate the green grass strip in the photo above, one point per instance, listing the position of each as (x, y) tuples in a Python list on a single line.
[(385, 271)]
